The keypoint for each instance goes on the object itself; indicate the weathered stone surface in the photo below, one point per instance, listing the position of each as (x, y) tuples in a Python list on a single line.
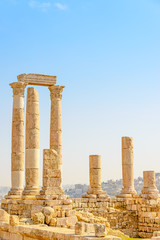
[(79, 228), (49, 213), (38, 218), (4, 216), (37, 79), (14, 220), (99, 230)]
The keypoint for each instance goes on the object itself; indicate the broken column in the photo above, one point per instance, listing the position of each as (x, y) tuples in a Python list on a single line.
[(127, 167), (95, 175), (17, 155), (56, 120), (149, 190), (32, 143), (52, 176)]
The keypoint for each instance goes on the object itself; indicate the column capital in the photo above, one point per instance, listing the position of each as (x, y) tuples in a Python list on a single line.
[(18, 88), (56, 91)]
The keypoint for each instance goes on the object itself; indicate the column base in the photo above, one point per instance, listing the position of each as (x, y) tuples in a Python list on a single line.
[(150, 193), (129, 190), (30, 192), (54, 191), (14, 194), (96, 193)]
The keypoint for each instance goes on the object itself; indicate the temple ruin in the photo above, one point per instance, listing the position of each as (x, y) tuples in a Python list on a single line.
[(29, 212)]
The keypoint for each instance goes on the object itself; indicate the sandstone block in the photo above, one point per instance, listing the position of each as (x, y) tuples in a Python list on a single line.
[(49, 213), (79, 228), (4, 216), (14, 220), (99, 230), (38, 218)]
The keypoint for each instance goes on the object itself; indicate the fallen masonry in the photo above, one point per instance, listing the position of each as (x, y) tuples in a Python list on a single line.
[(32, 213)]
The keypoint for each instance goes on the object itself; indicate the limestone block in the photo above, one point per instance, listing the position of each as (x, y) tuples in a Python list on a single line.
[(149, 179), (67, 202), (53, 173), (53, 222), (17, 163), (52, 182), (4, 216), (38, 218), (18, 144), (95, 161), (33, 108), (70, 213), (128, 175), (49, 154), (18, 129), (127, 142), (18, 115), (99, 230), (37, 79), (49, 213), (127, 156), (14, 220), (32, 177), (79, 228)]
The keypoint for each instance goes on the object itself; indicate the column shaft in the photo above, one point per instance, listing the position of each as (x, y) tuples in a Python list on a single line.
[(56, 120), (32, 143), (127, 166), (149, 187), (17, 151), (95, 175)]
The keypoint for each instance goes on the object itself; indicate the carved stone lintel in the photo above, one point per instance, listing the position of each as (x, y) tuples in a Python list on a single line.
[(56, 91), (18, 88)]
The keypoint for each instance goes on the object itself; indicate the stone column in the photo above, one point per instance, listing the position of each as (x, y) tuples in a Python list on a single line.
[(127, 167), (149, 188), (95, 175), (56, 120), (32, 143), (17, 155), (52, 175)]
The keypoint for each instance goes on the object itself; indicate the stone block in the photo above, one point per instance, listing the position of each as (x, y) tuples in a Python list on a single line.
[(38, 218), (99, 230), (14, 220), (4, 216), (79, 228)]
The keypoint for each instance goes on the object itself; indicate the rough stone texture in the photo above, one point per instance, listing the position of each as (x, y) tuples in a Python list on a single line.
[(56, 120), (37, 79), (14, 220), (79, 228), (4, 216), (149, 190), (38, 218), (52, 177), (99, 230), (49, 213), (32, 143), (17, 155), (127, 167)]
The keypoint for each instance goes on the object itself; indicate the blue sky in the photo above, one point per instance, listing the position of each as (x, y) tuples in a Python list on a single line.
[(107, 54)]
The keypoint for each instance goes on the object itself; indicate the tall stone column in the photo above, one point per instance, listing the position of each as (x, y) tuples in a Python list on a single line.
[(56, 120), (127, 167), (17, 151), (95, 175), (32, 143), (149, 190)]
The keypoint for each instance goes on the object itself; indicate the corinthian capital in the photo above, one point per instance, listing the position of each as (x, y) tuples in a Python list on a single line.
[(18, 88), (56, 91)]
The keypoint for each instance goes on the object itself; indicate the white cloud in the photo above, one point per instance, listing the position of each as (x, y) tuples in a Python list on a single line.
[(43, 6), (61, 6)]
